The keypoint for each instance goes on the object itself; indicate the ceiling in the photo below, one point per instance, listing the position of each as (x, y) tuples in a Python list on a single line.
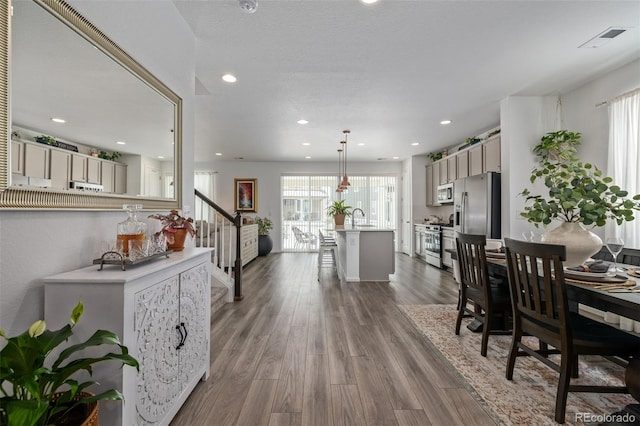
[(389, 72)]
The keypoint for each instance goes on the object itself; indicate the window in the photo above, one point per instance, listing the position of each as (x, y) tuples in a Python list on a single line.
[(305, 200)]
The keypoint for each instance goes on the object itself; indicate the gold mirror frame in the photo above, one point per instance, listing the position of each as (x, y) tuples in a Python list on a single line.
[(29, 198)]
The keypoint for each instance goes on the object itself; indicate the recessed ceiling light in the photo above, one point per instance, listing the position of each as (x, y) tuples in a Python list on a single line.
[(308, 157), (306, 143), (58, 120), (369, 1), (415, 144), (218, 154), (229, 78), (160, 157), (445, 122), (396, 158), (121, 143), (303, 121), (361, 144)]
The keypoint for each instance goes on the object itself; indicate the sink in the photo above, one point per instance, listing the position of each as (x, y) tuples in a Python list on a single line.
[(365, 226)]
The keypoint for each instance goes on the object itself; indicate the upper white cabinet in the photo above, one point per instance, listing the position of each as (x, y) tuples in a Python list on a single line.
[(60, 169), (463, 164), (475, 160), (94, 166), (36, 161), (430, 187), (480, 158), (491, 154)]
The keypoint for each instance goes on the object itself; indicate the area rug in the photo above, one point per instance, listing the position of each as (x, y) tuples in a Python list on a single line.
[(530, 398)]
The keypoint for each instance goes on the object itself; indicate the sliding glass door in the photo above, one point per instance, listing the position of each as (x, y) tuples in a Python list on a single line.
[(305, 200)]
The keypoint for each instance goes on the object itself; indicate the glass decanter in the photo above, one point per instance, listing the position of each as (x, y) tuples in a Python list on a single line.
[(131, 232)]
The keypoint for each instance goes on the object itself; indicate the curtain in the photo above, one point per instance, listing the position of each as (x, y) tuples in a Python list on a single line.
[(624, 158), (305, 200), (205, 183)]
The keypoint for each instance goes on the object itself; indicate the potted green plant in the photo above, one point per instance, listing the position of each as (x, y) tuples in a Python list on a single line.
[(106, 156), (577, 194), (37, 390), (265, 242), (47, 140), (338, 210), (175, 228), (435, 156)]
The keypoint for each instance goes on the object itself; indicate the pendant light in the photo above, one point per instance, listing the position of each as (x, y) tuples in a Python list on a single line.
[(345, 177), (339, 187)]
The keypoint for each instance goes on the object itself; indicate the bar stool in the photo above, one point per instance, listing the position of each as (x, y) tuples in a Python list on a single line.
[(326, 252)]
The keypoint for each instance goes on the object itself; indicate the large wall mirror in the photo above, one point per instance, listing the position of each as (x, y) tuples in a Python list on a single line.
[(59, 66)]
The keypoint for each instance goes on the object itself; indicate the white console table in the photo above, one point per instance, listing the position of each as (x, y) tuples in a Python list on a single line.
[(151, 307)]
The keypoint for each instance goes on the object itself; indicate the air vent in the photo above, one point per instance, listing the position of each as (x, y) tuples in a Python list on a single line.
[(604, 37)]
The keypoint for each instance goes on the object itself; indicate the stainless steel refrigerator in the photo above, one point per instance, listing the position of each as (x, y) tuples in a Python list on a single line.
[(476, 201)]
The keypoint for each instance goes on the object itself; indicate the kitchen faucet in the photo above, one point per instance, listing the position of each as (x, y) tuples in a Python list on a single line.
[(353, 216)]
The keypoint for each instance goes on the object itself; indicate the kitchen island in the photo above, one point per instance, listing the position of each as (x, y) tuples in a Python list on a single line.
[(365, 253)]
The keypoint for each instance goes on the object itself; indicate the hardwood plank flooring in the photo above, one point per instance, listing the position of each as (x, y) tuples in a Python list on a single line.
[(298, 351)]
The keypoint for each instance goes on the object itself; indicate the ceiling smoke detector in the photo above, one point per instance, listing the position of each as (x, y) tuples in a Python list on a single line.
[(248, 6)]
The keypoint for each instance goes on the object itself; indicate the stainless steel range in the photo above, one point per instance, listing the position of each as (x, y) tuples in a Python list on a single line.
[(433, 245)]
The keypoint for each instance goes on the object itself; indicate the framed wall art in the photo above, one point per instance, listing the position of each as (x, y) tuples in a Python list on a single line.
[(246, 195)]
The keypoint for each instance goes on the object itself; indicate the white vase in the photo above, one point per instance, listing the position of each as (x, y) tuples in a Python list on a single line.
[(580, 243)]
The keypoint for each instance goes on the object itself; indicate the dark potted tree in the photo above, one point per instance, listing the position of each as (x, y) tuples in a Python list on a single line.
[(37, 390), (265, 243)]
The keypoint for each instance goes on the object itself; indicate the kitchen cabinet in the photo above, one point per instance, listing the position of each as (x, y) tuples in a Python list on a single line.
[(475, 160), (108, 176), (448, 242), (17, 157), (419, 231), (491, 154), (120, 179), (431, 189), (463, 164), (94, 166), (60, 169), (435, 182), (36, 161), (78, 168), (452, 168), (161, 312)]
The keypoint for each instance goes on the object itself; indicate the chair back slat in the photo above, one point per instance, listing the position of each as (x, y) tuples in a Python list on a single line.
[(536, 281)]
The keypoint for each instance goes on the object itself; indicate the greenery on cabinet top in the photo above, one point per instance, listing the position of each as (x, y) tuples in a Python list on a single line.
[(469, 142)]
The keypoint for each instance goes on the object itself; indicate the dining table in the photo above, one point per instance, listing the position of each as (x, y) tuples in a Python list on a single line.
[(604, 295)]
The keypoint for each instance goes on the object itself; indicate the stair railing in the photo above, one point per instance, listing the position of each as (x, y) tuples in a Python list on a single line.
[(215, 229)]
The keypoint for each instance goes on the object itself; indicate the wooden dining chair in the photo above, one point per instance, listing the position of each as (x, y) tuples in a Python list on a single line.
[(541, 309), (476, 286)]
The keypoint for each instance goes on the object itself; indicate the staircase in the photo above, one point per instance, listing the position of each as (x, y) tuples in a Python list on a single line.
[(213, 226)]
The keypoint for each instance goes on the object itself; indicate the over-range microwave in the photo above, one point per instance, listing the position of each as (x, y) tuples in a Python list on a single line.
[(445, 193)]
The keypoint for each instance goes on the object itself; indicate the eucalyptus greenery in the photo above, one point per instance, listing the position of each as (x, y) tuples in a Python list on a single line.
[(264, 225), (577, 191), (338, 207), (35, 390)]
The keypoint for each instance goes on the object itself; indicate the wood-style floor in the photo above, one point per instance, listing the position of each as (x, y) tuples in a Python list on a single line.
[(297, 351)]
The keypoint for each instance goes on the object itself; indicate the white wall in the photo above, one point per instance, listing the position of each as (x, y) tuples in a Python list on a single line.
[(36, 244), (268, 175), (525, 119)]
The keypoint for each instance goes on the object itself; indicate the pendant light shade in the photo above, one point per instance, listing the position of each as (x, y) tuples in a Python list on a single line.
[(343, 177)]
